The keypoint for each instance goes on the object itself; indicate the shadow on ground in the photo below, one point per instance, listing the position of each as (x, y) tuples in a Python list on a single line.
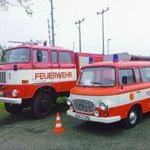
[(105, 129), (28, 115), (112, 129)]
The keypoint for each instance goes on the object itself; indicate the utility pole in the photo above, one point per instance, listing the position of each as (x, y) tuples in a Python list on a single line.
[(49, 34), (108, 40), (103, 40), (52, 23), (79, 23)]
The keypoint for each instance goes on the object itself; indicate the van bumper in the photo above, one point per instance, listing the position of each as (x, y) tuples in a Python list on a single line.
[(93, 118), (11, 100)]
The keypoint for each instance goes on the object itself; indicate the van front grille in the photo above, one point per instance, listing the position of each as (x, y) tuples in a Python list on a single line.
[(84, 106)]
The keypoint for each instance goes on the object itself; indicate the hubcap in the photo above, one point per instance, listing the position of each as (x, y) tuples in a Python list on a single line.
[(43, 105), (133, 117)]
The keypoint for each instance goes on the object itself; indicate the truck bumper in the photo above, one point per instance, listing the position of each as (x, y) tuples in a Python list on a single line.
[(11, 100), (93, 118)]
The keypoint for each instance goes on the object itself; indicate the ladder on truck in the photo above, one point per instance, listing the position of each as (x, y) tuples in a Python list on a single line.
[(127, 57)]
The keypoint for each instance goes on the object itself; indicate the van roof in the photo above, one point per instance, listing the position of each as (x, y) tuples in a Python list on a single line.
[(120, 64)]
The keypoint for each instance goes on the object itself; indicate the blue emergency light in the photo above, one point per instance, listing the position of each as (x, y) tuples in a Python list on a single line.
[(45, 43), (115, 58)]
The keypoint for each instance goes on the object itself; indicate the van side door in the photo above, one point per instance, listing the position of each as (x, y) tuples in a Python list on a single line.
[(126, 88)]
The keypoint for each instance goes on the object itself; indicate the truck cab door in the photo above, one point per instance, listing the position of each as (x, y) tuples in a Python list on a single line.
[(41, 66)]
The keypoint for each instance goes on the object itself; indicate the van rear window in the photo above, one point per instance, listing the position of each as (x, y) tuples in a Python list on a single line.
[(145, 73)]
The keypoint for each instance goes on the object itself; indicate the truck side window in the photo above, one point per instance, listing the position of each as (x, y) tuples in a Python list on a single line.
[(137, 75), (126, 76), (145, 73), (54, 57), (44, 55), (65, 57)]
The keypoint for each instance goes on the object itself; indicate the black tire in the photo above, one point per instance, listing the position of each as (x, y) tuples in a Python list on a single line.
[(41, 104), (13, 108), (134, 116)]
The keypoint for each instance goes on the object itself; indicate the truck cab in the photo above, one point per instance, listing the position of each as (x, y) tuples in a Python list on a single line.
[(32, 75)]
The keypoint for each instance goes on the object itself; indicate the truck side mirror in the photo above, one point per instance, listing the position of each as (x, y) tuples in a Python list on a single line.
[(39, 56), (15, 67)]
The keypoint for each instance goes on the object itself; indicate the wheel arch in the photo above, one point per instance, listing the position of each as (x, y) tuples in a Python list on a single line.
[(134, 116), (139, 108), (48, 89)]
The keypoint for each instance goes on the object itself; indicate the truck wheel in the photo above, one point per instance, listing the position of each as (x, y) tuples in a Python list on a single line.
[(134, 116), (13, 108), (41, 104)]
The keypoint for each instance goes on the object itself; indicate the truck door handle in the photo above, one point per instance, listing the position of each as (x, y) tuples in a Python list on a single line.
[(138, 92)]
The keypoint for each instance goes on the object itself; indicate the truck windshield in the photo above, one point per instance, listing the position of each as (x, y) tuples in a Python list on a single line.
[(99, 76), (15, 55)]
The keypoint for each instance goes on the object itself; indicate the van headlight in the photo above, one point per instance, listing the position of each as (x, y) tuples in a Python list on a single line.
[(103, 106), (68, 102)]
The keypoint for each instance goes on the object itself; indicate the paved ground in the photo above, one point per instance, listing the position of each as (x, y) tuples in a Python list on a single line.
[(22, 132)]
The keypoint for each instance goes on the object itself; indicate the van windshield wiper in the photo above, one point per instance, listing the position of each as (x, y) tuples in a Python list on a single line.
[(98, 83)]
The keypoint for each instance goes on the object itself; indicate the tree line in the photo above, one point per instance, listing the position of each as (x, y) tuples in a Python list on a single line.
[(25, 4)]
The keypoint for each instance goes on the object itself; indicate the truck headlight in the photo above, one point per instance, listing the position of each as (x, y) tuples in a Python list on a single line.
[(14, 93), (103, 106), (1, 93)]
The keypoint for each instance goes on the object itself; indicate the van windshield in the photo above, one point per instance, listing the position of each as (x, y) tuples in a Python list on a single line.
[(15, 55), (98, 76)]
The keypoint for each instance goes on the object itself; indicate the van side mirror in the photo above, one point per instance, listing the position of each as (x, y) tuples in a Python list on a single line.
[(124, 80), (39, 56)]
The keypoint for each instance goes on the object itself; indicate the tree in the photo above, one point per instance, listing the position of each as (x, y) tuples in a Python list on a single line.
[(25, 4)]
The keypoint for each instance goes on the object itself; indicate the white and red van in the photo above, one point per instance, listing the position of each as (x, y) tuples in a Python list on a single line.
[(33, 75), (111, 91)]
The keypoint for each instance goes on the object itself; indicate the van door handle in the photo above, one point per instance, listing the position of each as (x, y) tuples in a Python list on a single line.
[(138, 92)]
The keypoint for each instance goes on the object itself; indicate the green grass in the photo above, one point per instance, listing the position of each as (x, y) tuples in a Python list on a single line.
[(61, 99), (1, 105)]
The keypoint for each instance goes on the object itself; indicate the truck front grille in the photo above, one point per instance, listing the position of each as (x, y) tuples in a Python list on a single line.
[(2, 77), (84, 106)]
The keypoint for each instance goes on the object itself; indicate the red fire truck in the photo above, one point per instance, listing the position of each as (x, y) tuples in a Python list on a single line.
[(33, 75)]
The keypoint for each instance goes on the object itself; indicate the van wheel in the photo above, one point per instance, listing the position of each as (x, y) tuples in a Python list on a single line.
[(13, 108), (134, 116), (41, 104)]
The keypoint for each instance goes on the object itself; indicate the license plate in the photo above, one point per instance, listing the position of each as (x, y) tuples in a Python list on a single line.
[(82, 117)]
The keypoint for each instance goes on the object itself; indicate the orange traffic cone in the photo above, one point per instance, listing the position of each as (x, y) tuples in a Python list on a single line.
[(58, 126)]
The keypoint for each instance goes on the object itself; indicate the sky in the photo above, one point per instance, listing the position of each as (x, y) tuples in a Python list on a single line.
[(127, 24)]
